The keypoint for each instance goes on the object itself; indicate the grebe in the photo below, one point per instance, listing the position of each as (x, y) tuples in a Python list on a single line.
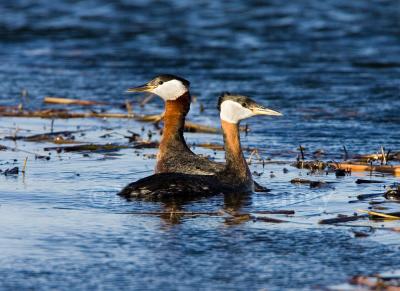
[(235, 176), (174, 155)]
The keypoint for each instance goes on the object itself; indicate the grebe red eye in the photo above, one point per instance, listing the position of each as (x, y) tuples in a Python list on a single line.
[(160, 82)]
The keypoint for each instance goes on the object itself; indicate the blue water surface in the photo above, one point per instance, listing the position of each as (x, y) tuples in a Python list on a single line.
[(332, 68)]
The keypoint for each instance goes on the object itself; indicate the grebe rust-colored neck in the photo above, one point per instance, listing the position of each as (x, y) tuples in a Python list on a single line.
[(174, 119), (172, 141), (235, 161)]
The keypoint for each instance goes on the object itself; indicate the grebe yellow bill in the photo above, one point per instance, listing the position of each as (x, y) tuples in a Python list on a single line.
[(235, 177)]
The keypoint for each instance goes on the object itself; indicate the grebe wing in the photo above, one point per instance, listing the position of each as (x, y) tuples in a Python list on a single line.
[(204, 166), (171, 186)]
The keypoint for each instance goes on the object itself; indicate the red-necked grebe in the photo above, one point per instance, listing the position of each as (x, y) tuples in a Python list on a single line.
[(235, 176), (174, 155)]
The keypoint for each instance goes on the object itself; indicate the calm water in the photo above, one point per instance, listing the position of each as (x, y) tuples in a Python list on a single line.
[(332, 68)]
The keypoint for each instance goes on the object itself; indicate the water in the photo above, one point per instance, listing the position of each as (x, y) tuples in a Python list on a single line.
[(331, 67)]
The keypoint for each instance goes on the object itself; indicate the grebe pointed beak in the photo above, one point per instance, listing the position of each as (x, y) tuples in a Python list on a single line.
[(143, 88), (261, 110)]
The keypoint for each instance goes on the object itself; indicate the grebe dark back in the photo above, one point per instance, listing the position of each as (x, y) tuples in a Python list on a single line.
[(235, 177)]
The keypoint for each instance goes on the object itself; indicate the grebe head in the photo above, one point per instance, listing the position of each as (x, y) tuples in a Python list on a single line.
[(168, 87), (234, 108)]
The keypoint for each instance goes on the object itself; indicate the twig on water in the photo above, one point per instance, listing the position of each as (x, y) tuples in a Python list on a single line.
[(342, 219), (384, 162), (68, 101), (380, 214), (24, 166), (128, 106), (147, 99), (346, 154)]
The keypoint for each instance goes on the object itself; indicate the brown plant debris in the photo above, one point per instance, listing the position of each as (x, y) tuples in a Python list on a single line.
[(395, 156), (361, 167), (341, 173), (342, 219), (50, 136), (269, 219), (146, 145), (363, 181), (360, 234), (310, 165), (87, 147), (12, 171), (286, 212), (212, 146), (192, 127), (393, 192), (381, 215), (368, 196), (238, 219), (311, 183), (377, 282), (68, 101)]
